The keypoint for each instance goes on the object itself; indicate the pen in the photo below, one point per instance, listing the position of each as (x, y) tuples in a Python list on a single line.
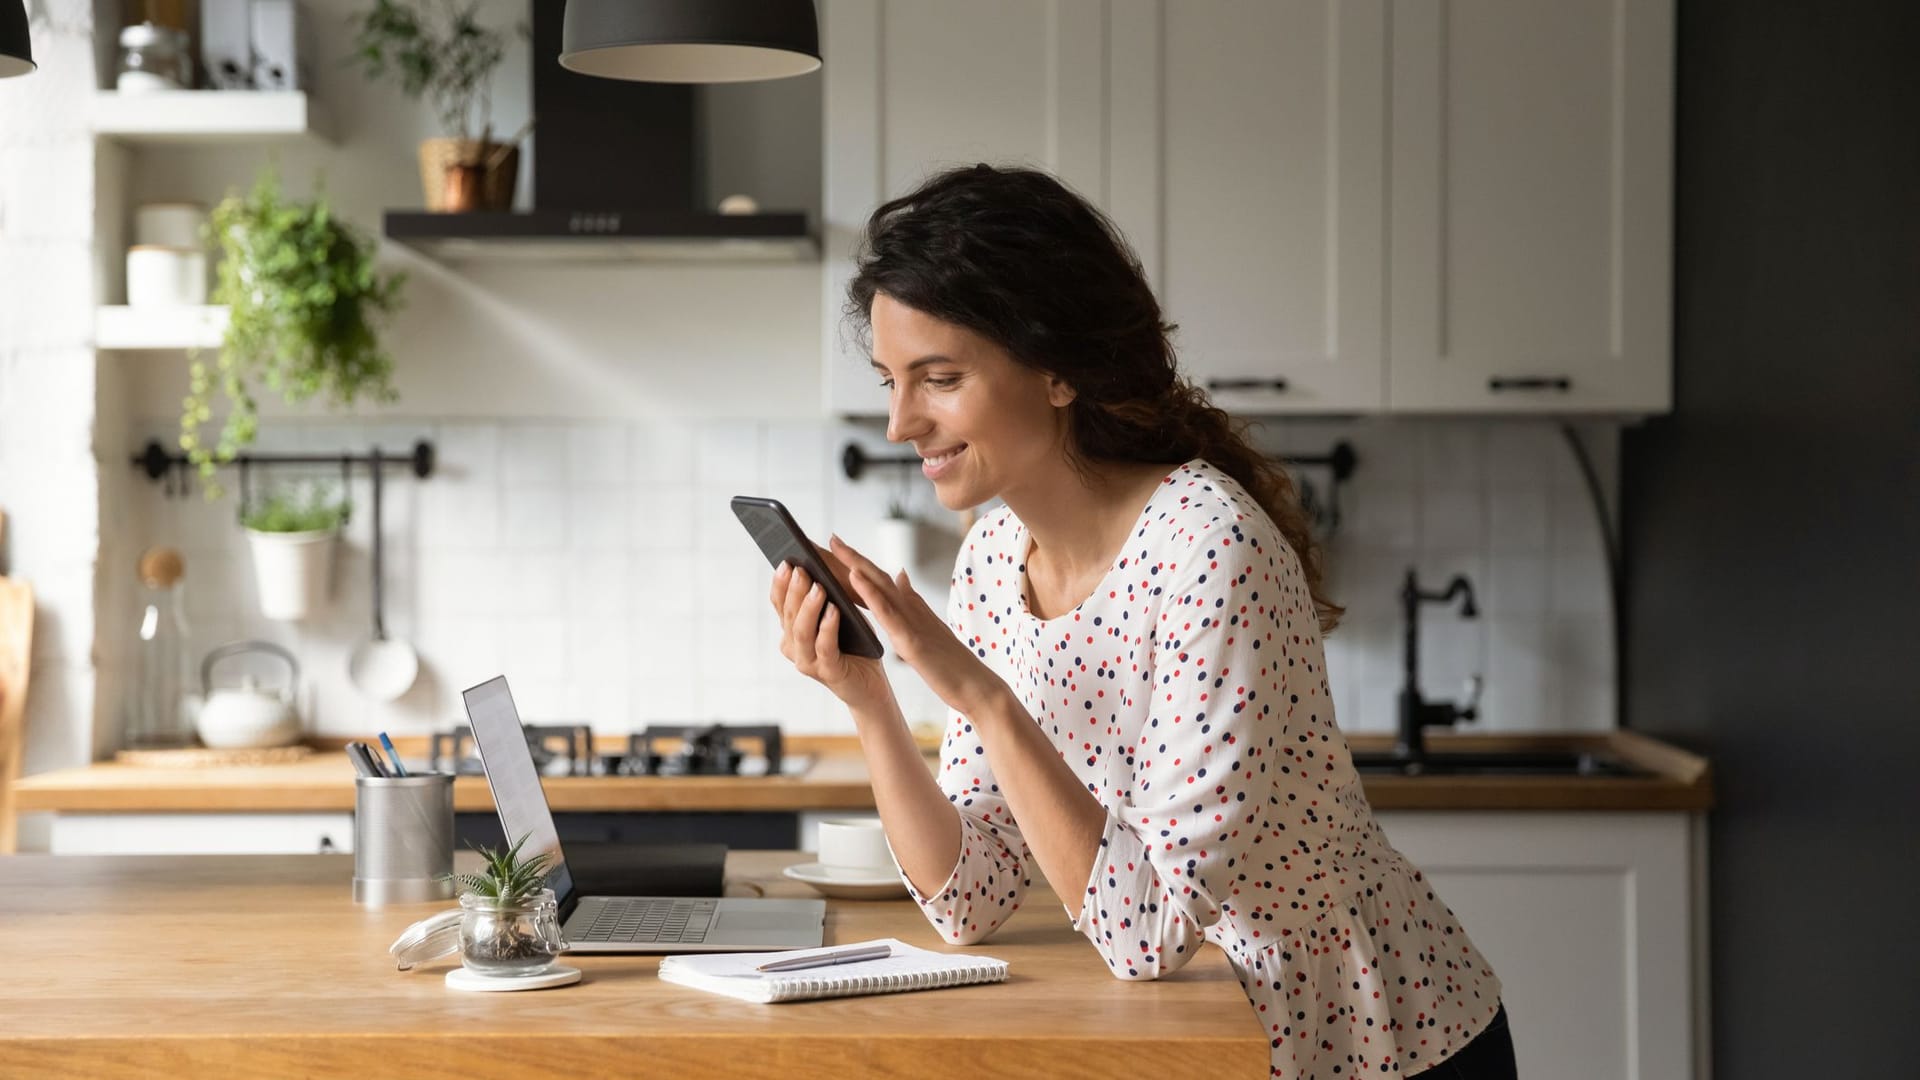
[(398, 769), (362, 763), (845, 956), (370, 759)]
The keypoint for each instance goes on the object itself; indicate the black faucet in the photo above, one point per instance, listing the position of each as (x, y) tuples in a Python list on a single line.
[(1417, 715)]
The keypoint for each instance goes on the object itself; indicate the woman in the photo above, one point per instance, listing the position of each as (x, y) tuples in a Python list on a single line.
[(1131, 651)]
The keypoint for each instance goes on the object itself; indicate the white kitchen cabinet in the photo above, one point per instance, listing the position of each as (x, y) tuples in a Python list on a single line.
[(1531, 155), (1272, 194), (914, 86), (1594, 923), (1348, 206), (201, 834)]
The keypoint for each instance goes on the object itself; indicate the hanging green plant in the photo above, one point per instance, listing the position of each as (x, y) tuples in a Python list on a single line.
[(303, 298)]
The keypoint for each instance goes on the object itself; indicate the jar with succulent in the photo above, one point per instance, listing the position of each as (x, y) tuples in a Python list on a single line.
[(291, 532), (304, 302), (509, 922), (440, 53)]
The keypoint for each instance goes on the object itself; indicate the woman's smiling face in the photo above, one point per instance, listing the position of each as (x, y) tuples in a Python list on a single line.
[(980, 420)]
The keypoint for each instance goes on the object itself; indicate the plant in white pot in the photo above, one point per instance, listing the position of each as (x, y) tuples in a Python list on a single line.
[(292, 532)]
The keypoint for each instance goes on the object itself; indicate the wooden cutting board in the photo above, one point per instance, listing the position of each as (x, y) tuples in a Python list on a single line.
[(16, 653)]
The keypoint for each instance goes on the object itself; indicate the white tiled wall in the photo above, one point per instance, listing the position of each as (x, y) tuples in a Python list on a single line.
[(48, 484), (599, 566)]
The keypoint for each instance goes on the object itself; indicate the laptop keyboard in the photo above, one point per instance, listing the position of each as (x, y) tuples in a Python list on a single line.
[(663, 919)]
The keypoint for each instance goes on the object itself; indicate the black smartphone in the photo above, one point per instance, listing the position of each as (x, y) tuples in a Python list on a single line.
[(780, 540)]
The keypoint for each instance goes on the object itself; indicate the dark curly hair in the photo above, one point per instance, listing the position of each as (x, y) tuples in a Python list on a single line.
[(1015, 256)]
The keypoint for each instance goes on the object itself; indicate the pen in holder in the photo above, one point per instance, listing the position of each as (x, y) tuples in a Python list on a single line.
[(402, 839)]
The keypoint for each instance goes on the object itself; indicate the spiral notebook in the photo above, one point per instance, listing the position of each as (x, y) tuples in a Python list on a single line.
[(907, 968)]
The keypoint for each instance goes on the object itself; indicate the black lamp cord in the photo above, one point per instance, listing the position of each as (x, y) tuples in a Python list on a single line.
[(1614, 594)]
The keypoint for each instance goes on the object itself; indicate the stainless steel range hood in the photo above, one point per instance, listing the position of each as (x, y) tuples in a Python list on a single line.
[(616, 169), (605, 235)]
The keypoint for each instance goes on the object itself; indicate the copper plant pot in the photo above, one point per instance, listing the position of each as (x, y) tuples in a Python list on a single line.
[(453, 165)]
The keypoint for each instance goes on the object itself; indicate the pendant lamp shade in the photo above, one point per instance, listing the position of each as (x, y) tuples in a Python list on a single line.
[(16, 52), (689, 41)]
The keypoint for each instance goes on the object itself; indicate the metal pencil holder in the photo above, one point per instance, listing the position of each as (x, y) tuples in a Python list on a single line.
[(403, 839)]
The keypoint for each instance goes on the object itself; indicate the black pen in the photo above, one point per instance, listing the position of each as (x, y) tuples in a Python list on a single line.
[(363, 760), (845, 956)]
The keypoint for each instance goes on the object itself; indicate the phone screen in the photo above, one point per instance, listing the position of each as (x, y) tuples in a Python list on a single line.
[(779, 538)]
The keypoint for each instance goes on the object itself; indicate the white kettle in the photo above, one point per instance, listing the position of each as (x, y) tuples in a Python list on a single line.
[(248, 716)]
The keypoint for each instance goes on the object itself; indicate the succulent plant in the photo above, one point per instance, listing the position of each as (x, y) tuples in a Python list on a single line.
[(509, 880)]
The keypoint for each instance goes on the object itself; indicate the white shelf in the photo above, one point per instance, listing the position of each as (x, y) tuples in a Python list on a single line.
[(122, 327), (198, 117)]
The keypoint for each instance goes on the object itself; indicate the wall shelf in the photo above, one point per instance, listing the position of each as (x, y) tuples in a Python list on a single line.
[(206, 117), (121, 327)]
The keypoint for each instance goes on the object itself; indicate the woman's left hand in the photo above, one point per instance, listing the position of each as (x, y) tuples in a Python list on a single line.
[(920, 635)]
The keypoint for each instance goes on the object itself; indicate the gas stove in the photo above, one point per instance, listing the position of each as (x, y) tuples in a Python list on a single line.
[(661, 750)]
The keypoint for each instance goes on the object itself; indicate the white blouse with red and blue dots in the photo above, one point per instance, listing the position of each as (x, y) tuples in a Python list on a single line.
[(1189, 694)]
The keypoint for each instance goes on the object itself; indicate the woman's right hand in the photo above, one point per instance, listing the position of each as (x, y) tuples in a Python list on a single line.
[(810, 640)]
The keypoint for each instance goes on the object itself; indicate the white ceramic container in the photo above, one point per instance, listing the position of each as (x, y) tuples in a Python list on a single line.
[(293, 572), (166, 276)]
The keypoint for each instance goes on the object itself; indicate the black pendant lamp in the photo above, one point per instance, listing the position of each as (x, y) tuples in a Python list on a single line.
[(16, 52), (689, 41)]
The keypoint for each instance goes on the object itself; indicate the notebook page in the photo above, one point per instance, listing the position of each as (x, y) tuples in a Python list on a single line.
[(909, 968)]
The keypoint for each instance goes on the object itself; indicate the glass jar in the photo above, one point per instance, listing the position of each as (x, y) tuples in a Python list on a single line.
[(160, 708), (153, 57), (507, 940)]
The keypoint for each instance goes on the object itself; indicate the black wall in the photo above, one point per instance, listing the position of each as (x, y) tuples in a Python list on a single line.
[(1772, 523)]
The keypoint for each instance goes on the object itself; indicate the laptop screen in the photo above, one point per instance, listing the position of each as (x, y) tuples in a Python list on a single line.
[(516, 781)]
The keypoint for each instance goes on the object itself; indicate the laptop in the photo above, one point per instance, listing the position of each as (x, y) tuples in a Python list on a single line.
[(626, 924)]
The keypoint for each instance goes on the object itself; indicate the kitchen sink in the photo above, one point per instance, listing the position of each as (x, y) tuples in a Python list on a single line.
[(1494, 763)]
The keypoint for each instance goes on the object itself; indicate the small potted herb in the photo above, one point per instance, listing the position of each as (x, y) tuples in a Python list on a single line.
[(509, 923), (304, 302), (291, 532), (441, 54)]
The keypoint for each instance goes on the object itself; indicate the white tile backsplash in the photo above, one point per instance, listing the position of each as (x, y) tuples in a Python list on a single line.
[(533, 519), (599, 565)]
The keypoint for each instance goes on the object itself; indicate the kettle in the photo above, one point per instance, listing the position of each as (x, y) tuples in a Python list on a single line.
[(248, 716)]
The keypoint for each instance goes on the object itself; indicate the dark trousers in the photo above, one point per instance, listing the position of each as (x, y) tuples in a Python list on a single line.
[(1488, 1057)]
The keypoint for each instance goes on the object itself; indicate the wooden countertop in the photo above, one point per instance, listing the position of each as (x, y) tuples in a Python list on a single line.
[(261, 966), (838, 780)]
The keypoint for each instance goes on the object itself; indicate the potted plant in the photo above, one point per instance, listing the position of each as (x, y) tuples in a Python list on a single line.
[(447, 58), (509, 923), (292, 533), (303, 299)]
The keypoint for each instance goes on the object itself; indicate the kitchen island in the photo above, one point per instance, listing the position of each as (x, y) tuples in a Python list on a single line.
[(1586, 893), (261, 966)]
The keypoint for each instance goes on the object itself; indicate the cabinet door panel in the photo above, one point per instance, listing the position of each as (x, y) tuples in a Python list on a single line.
[(914, 86), (1530, 216), (1271, 254)]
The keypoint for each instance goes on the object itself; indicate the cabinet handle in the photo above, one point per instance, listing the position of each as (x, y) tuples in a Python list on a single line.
[(1278, 386), (1530, 382), (326, 845)]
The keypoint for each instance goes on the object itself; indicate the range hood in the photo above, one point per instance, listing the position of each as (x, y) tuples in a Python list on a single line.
[(616, 172)]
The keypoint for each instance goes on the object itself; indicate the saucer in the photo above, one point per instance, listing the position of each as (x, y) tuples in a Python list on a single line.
[(849, 884), (462, 979)]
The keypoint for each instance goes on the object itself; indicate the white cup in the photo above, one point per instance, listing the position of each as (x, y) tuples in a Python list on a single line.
[(856, 846)]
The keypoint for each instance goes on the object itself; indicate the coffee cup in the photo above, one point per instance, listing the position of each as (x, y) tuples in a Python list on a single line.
[(856, 846)]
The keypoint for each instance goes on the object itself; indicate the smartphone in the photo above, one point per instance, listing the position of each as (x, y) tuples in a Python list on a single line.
[(780, 540)]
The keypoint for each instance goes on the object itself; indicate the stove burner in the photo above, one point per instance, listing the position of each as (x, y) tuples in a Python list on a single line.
[(569, 744), (567, 750), (705, 750)]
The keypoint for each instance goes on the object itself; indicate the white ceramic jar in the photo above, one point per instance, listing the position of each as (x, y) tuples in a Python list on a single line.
[(162, 276)]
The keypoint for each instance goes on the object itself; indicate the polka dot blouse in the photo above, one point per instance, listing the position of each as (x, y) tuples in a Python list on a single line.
[(1189, 693)]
